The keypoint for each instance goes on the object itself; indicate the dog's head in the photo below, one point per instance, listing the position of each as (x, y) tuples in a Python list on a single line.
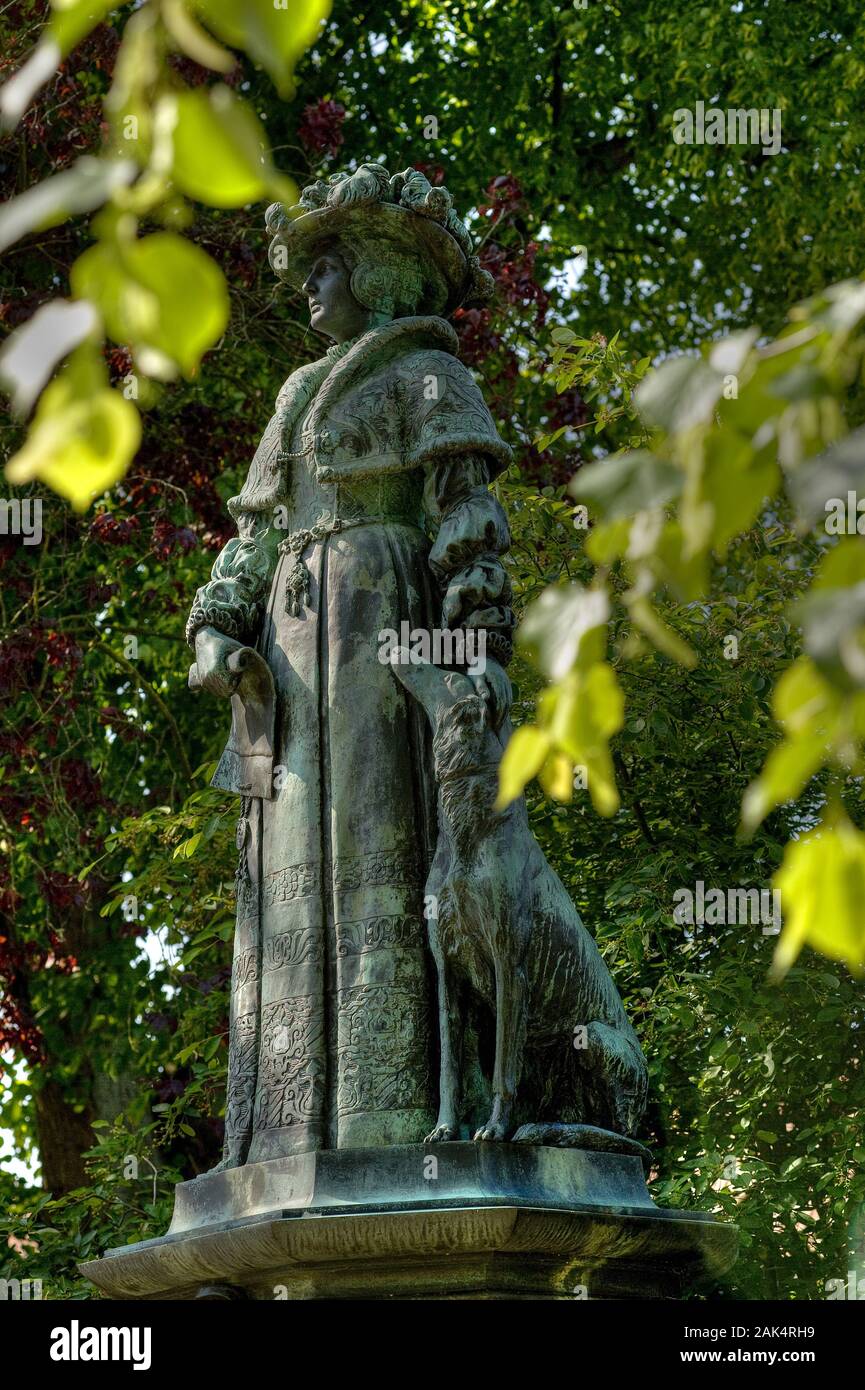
[(463, 740), (466, 750)]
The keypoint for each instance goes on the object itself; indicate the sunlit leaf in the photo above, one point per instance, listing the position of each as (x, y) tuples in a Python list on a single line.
[(31, 353), (728, 490), (822, 887), (566, 625), (85, 186), (273, 32), (789, 767), (589, 711), (71, 20), (556, 776), (522, 760), (220, 150), (194, 41), (841, 469), (833, 623), (729, 355), (83, 436), (161, 295)]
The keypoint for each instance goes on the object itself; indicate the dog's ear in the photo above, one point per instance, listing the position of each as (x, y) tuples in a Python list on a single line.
[(437, 691)]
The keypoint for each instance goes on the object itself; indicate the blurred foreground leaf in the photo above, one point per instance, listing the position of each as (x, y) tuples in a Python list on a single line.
[(83, 436)]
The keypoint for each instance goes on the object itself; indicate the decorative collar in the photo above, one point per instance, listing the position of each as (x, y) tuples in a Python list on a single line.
[(338, 350), (377, 346)]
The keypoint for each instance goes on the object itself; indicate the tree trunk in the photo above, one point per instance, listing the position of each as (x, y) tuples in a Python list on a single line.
[(62, 1134)]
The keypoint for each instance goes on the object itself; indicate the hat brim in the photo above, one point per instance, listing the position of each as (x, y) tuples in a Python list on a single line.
[(431, 247)]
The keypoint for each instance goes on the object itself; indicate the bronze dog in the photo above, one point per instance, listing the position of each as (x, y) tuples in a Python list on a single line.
[(507, 932)]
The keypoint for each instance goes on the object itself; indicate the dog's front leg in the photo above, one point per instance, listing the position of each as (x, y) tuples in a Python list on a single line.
[(451, 1036), (511, 1004)]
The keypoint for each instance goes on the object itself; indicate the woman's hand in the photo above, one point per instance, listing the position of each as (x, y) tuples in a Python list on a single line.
[(210, 655), (494, 688)]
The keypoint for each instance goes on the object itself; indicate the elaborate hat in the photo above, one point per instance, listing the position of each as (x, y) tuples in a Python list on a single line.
[(412, 252)]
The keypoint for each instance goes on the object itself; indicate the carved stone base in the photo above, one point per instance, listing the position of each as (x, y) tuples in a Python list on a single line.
[(457, 1220)]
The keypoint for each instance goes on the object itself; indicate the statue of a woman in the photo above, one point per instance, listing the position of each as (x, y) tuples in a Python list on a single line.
[(366, 507)]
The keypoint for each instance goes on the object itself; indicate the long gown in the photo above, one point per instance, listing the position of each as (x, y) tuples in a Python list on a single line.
[(333, 1039)]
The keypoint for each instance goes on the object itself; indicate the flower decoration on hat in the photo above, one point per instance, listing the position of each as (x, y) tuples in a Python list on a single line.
[(407, 249)]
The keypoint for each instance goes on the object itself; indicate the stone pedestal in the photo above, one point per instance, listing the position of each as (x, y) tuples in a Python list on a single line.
[(458, 1220)]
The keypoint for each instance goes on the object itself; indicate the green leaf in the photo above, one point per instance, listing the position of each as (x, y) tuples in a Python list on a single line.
[(608, 540), (833, 623), (557, 777), (273, 32), (31, 353), (729, 355), (843, 307), (72, 20), (822, 887), (802, 700), (544, 441), (566, 626), (677, 563), (87, 185), (664, 638), (803, 382), (725, 496), (589, 711), (522, 760), (83, 436), (841, 567), (161, 295), (787, 770), (627, 483), (221, 154), (791, 1165), (830, 476), (187, 848), (678, 394), (192, 39)]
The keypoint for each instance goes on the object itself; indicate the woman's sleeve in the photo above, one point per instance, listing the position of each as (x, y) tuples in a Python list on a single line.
[(233, 601), (466, 554)]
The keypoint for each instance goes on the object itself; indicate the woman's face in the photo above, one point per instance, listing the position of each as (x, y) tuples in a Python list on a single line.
[(333, 310)]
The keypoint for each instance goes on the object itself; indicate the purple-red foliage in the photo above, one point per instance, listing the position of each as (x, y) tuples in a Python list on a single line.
[(320, 130)]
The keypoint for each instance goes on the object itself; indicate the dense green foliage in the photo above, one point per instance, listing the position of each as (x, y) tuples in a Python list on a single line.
[(556, 124)]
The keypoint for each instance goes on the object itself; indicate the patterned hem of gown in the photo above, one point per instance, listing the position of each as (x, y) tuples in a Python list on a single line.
[(379, 1129)]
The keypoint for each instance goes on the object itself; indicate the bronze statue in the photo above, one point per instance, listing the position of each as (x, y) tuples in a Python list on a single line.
[(377, 876), (367, 510), (382, 438), (506, 933)]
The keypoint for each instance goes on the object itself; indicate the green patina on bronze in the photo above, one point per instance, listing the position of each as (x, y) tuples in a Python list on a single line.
[(408, 970), (367, 507)]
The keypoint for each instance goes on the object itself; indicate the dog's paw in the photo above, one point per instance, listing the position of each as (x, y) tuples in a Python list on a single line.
[(490, 1131), (442, 1134)]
